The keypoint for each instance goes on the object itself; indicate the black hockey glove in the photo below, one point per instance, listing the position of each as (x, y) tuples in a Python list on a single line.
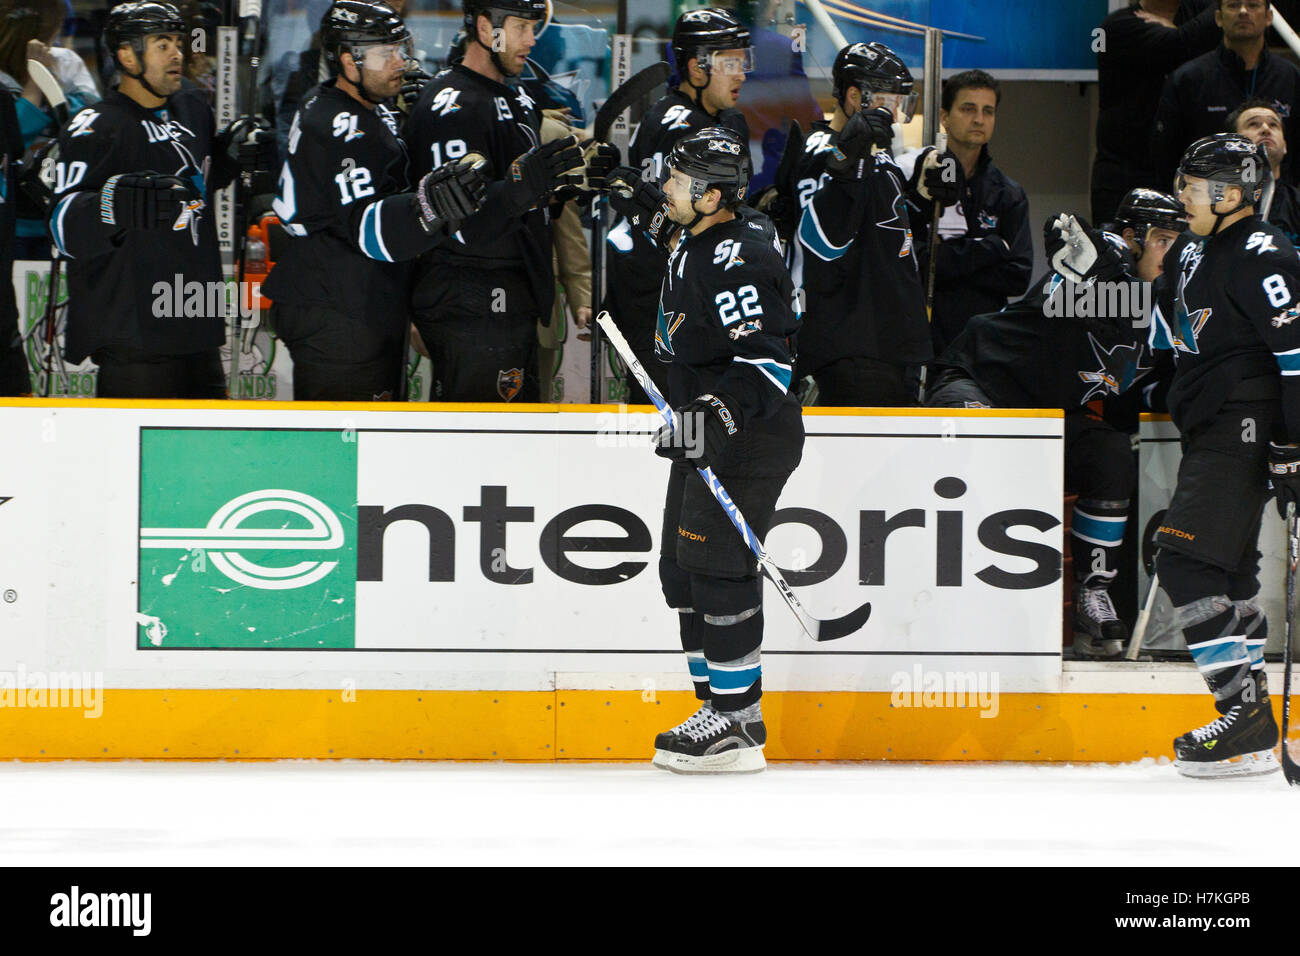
[(249, 143), (542, 170), (781, 209), (450, 193), (1284, 474), (642, 204), (1079, 253), (146, 200), (703, 428), (866, 132), (601, 160), (412, 83), (939, 177)]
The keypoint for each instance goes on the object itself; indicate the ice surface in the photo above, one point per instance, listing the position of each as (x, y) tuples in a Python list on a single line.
[(362, 812)]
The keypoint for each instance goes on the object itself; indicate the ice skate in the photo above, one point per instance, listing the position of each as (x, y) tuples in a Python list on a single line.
[(717, 744), (1238, 744), (1099, 634), (664, 740)]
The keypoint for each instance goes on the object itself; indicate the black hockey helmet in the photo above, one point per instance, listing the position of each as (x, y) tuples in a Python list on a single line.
[(1228, 159), (872, 68), (129, 23), (715, 158), (700, 33), (498, 10), (350, 24), (1142, 209)]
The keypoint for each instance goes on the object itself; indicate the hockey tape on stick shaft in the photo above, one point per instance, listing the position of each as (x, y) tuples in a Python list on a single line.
[(1144, 619), (50, 89), (814, 628)]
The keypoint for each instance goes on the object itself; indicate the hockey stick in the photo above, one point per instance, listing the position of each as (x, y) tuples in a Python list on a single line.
[(940, 144), (1289, 768), (250, 20), (818, 630), (53, 93), (1144, 619), (628, 92)]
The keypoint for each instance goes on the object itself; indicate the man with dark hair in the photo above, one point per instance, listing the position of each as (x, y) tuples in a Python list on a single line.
[(712, 53), (1257, 120), (134, 178), (986, 253), (1140, 45), (1200, 94), (853, 253)]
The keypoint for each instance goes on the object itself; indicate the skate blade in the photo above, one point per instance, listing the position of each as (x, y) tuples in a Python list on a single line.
[(746, 760), (1085, 650), (1247, 765)]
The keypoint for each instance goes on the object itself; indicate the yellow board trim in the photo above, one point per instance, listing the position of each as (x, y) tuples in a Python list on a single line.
[(585, 725)]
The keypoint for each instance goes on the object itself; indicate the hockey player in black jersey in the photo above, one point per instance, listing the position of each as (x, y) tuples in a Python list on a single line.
[(853, 257), (713, 54), (479, 298), (1228, 312), (1079, 337), (726, 320), (341, 289), (134, 180)]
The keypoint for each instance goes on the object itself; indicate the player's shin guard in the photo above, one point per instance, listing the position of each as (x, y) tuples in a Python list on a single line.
[(1213, 633), (1254, 625)]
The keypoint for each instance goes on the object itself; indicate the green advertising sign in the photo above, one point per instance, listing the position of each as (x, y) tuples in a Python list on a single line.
[(247, 538)]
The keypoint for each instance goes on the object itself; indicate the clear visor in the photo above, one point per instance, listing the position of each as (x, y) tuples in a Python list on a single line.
[(680, 185), (1198, 192), (733, 62), (383, 56), (902, 105)]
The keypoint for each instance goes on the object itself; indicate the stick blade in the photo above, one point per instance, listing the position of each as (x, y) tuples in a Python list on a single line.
[(842, 626), (1290, 769)]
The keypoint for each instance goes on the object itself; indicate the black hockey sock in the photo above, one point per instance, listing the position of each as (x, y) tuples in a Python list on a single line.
[(1254, 625), (1096, 533), (691, 625)]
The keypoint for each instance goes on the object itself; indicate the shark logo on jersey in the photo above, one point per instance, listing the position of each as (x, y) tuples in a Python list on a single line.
[(988, 220), (1120, 367), (665, 328), (524, 100), (898, 223), (82, 122), (446, 102), (1287, 317), (677, 117), (818, 142), (736, 333)]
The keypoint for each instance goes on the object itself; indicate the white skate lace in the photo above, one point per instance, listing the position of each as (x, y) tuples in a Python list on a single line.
[(692, 721), (1097, 605), (712, 725), (1215, 726)]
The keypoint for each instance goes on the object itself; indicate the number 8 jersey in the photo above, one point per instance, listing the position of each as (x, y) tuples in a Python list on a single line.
[(1228, 306)]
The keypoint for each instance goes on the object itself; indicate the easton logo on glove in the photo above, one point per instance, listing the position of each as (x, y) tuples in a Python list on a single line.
[(723, 411)]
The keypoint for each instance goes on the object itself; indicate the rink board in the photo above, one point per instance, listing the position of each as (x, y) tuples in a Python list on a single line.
[(274, 580)]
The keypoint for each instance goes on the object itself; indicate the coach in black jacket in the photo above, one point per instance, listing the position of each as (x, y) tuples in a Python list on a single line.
[(1200, 94), (986, 252), (1140, 47)]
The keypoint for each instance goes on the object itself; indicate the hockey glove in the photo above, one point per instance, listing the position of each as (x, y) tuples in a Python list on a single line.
[(940, 178), (704, 427), (450, 193), (146, 200), (1284, 474), (1079, 253), (249, 144), (782, 210), (540, 171), (412, 83), (601, 160), (642, 204), (866, 132)]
